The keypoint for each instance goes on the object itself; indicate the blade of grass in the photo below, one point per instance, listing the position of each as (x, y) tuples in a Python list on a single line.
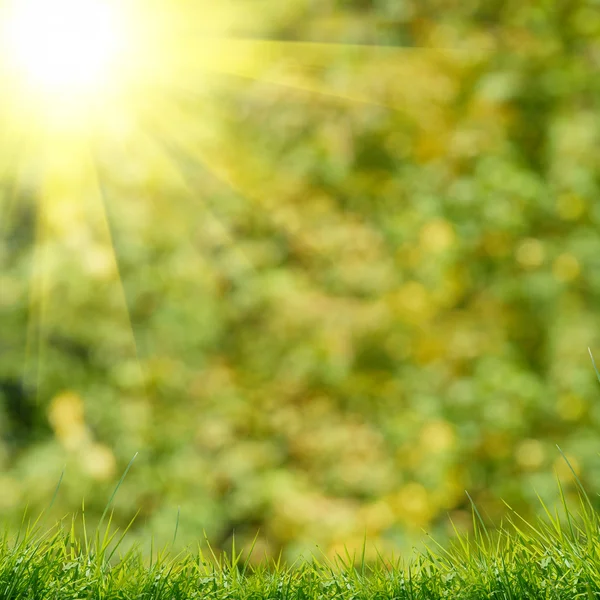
[(579, 484), (487, 534), (247, 561), (563, 500), (117, 488), (123, 535), (176, 524), (594, 364), (85, 537), (57, 486)]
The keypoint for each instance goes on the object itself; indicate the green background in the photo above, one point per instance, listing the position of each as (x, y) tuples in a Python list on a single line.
[(360, 271)]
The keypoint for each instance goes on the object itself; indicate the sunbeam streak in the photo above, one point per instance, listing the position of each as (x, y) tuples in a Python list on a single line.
[(336, 70)]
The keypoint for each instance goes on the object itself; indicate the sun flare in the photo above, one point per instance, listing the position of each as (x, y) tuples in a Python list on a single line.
[(63, 46)]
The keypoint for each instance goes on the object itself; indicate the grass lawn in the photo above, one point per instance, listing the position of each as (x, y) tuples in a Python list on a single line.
[(556, 557)]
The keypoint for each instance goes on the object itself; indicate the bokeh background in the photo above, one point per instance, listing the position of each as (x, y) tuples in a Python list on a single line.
[(348, 273)]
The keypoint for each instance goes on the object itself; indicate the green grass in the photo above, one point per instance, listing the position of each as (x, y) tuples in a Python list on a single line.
[(556, 557)]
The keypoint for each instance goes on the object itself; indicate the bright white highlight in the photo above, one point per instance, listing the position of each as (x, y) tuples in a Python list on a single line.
[(63, 46)]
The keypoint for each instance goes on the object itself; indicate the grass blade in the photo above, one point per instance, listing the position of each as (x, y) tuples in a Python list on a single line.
[(594, 364)]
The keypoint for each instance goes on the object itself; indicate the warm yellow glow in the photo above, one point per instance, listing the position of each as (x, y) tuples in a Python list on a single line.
[(63, 46)]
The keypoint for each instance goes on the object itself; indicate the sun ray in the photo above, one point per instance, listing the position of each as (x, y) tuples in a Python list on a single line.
[(195, 175), (9, 194), (333, 69), (73, 244), (411, 79), (194, 167), (200, 165), (202, 155), (104, 216), (38, 296), (18, 355)]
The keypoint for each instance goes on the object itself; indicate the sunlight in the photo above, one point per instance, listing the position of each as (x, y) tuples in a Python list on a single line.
[(63, 47)]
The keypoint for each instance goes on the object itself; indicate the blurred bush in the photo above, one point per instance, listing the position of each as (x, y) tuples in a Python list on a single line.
[(357, 280)]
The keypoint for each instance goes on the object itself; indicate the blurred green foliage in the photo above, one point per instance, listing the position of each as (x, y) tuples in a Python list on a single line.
[(357, 280)]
